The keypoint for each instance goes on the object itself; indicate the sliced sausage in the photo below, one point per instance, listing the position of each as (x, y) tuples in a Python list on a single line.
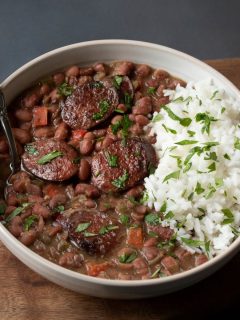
[(121, 166), (90, 230), (90, 104), (59, 168)]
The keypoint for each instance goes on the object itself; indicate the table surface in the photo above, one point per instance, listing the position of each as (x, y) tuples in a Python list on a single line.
[(26, 295)]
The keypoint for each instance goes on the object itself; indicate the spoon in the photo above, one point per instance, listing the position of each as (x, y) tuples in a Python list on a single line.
[(15, 163)]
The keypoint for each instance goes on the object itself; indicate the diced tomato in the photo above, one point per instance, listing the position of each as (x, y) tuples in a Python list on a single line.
[(135, 237), (94, 269), (40, 116), (78, 134)]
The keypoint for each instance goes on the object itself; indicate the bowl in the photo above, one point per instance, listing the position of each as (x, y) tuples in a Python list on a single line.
[(178, 64)]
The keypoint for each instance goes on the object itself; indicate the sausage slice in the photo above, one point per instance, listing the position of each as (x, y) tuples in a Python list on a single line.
[(89, 105), (51, 160), (92, 231), (121, 166)]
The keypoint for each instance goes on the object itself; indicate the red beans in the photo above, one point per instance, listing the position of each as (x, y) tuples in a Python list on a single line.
[(170, 264), (142, 70), (143, 106), (72, 71), (28, 237), (44, 132), (86, 146), (44, 89), (3, 145), (23, 114), (21, 135), (16, 226), (58, 78), (57, 199), (61, 132), (116, 119), (160, 74), (86, 71), (87, 189), (41, 210), (70, 259), (31, 100), (106, 142), (141, 120), (84, 170), (123, 68)]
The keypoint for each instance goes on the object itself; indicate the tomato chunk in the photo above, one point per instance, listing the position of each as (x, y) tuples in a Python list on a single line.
[(135, 237), (40, 116)]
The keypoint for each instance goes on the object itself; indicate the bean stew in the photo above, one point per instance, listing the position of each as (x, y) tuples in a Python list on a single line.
[(79, 199)]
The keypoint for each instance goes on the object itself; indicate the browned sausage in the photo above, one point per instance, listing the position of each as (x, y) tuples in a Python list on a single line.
[(60, 168)]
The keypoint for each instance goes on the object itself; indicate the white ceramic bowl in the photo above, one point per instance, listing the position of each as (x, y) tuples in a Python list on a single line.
[(178, 64)]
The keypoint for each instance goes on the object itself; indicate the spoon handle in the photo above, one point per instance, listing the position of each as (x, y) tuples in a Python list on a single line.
[(15, 159)]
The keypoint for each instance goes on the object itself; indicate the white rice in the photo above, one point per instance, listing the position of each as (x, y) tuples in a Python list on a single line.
[(216, 223)]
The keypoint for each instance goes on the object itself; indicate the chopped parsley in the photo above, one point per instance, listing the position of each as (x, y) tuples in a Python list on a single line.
[(163, 207), (226, 156), (157, 117), (2, 208), (59, 208), (212, 167), (191, 133), (104, 107), (117, 81), (206, 120), (237, 143), (128, 258), (96, 84), (152, 218), (120, 182), (169, 129), (127, 100), (49, 157), (151, 90), (107, 229), (30, 149), (17, 211), (124, 124), (211, 192), (229, 216), (185, 122), (211, 156), (28, 222), (124, 219), (82, 226), (186, 142), (76, 160), (199, 189), (193, 242), (65, 89), (214, 95), (173, 175), (111, 159)]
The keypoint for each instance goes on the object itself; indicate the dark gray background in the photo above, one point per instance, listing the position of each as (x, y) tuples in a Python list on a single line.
[(205, 29)]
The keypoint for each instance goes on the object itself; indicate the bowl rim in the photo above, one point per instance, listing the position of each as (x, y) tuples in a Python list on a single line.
[(7, 237)]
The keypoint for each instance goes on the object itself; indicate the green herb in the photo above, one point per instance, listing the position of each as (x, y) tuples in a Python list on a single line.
[(89, 234), (107, 229), (192, 152), (157, 117), (201, 210), (168, 244), (2, 208), (193, 242), (226, 156), (173, 175), (211, 156), (111, 159), (104, 107), (152, 219), (17, 211), (209, 145), (49, 157), (212, 167), (187, 167), (214, 95), (237, 143), (121, 181), (128, 258), (169, 129), (124, 219), (211, 191), (115, 127), (223, 109), (117, 81), (206, 120), (145, 197), (219, 182), (82, 226), (169, 215), (119, 111), (229, 216), (151, 168), (191, 133), (183, 121), (186, 142), (235, 232), (65, 89), (199, 189), (163, 207), (190, 197), (96, 84), (156, 273), (28, 222), (127, 100), (30, 149), (123, 124), (59, 209), (151, 90), (152, 234), (76, 160)]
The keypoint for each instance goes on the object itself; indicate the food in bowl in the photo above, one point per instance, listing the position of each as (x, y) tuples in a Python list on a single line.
[(89, 137)]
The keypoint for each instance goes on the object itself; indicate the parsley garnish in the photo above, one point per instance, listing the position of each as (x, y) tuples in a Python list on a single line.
[(96, 84), (17, 211), (229, 216), (124, 219), (212, 167), (2, 208), (152, 219), (199, 189), (191, 133), (49, 157), (186, 142), (173, 175), (226, 156), (169, 129), (82, 226), (111, 159), (30, 149), (28, 222), (151, 90), (163, 207), (127, 100), (65, 89), (157, 117), (121, 181), (183, 121), (237, 143), (59, 208), (107, 229), (128, 258), (206, 120), (117, 81), (104, 107)]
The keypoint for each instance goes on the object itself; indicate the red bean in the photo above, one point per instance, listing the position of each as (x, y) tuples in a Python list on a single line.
[(87, 189), (143, 106), (45, 89), (28, 237), (26, 126), (12, 199), (59, 78), (89, 136), (88, 71), (41, 210), (99, 67), (86, 146), (107, 141), (170, 264), (31, 100), (150, 242), (21, 135), (20, 185), (54, 96), (136, 129), (160, 74), (98, 145), (140, 266), (3, 145), (99, 133), (160, 89), (175, 82), (84, 170), (99, 76), (141, 120), (89, 203), (16, 226), (44, 132), (61, 132), (123, 68), (116, 119), (200, 259), (135, 191), (84, 79), (142, 70), (71, 260), (72, 71), (53, 230), (57, 199), (122, 107), (23, 114)]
